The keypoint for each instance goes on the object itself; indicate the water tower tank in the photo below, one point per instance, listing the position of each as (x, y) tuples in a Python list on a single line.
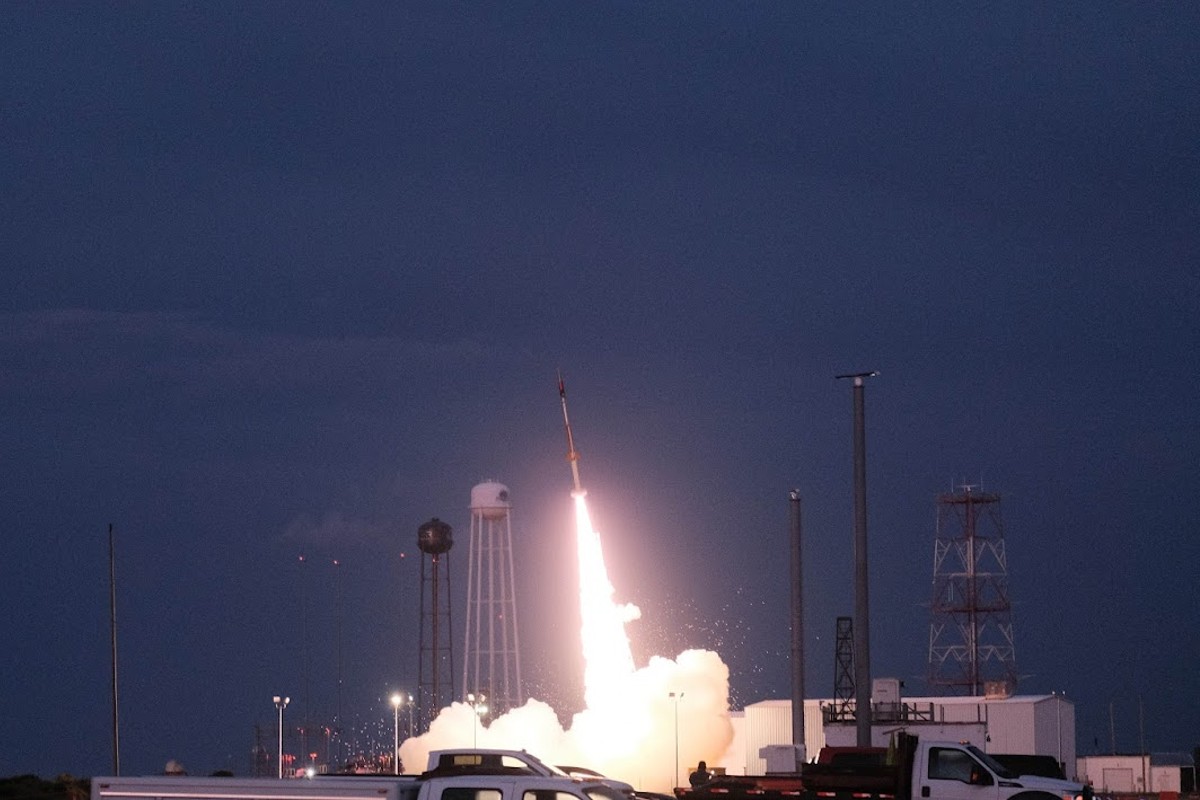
[(435, 537), (490, 500)]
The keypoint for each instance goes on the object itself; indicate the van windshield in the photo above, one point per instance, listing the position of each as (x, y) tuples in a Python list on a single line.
[(991, 763)]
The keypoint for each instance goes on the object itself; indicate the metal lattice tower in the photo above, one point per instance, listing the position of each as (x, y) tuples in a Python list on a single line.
[(970, 632), (843, 669), (435, 670), (491, 660)]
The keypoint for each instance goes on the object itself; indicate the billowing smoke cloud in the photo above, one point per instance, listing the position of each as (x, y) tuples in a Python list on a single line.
[(634, 718)]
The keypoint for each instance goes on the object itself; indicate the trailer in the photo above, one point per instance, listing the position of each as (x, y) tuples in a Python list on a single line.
[(913, 770)]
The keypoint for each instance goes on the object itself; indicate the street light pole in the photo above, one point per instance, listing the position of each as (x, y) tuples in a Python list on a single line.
[(676, 696), (281, 704), (397, 699)]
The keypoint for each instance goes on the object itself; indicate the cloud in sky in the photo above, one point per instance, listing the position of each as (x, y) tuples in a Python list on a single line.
[(64, 349)]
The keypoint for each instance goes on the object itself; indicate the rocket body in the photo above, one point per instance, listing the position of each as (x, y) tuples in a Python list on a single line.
[(572, 453)]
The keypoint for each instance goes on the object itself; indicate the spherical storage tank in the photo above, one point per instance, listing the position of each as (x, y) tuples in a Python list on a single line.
[(490, 500), (435, 537)]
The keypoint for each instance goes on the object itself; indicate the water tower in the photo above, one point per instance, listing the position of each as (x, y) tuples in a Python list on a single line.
[(491, 662), (435, 670)]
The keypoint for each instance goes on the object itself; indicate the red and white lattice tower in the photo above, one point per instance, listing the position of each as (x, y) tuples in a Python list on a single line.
[(970, 632)]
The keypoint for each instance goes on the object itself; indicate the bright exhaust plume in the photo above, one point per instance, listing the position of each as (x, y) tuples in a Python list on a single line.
[(631, 724)]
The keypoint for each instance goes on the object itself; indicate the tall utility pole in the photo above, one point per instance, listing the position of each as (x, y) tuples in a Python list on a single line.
[(112, 619), (862, 616), (797, 627)]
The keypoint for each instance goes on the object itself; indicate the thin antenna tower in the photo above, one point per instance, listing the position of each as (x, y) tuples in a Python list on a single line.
[(305, 659), (337, 724), (260, 758), (843, 669), (970, 632)]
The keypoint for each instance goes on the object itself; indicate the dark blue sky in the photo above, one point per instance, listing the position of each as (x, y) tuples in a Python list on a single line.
[(290, 278)]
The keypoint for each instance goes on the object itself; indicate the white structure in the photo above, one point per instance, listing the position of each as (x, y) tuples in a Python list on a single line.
[(765, 724), (1134, 773), (491, 661), (1025, 724)]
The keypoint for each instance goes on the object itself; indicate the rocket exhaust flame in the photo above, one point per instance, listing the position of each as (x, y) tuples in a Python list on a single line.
[(634, 726), (608, 659)]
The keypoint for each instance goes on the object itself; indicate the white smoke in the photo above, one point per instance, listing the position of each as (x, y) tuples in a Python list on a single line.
[(636, 720)]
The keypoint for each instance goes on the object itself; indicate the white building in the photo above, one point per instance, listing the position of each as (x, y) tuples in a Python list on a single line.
[(1024, 724), (1136, 773)]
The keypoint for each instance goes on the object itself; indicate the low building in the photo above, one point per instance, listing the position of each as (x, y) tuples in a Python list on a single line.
[(1019, 724), (1149, 772)]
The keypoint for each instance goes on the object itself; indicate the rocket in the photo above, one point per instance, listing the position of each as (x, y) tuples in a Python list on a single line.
[(572, 453)]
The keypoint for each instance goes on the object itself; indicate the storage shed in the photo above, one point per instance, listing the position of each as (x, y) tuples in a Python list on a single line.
[(1150, 772)]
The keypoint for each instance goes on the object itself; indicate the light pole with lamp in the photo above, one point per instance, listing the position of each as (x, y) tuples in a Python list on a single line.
[(281, 704), (397, 699), (478, 707), (676, 696)]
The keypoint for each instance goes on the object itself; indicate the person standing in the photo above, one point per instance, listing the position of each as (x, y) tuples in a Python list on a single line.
[(701, 776)]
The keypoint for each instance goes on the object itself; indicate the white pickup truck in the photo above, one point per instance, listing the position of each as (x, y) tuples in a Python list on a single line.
[(464, 775), (951, 771), (916, 770)]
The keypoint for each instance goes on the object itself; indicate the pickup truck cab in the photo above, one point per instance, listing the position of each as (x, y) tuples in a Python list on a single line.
[(950, 771)]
